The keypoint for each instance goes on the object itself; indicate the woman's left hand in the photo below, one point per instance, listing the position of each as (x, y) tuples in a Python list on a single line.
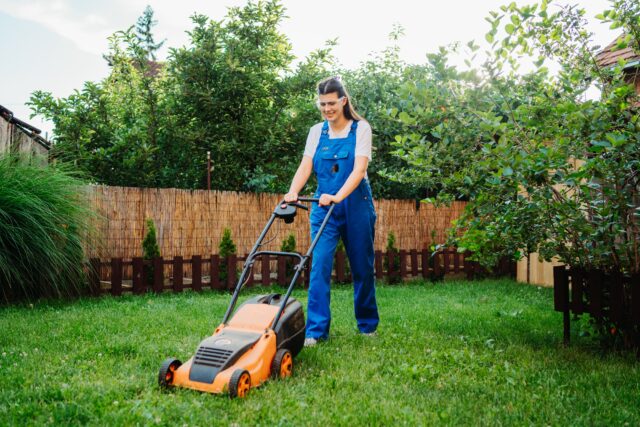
[(327, 199)]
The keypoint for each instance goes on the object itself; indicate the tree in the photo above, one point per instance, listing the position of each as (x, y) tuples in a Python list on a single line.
[(144, 34), (545, 169)]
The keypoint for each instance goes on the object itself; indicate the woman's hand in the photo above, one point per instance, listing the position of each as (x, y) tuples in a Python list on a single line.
[(291, 197), (327, 199)]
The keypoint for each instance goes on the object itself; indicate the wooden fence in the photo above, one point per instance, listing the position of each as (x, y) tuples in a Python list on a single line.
[(611, 295), (178, 273), (191, 222)]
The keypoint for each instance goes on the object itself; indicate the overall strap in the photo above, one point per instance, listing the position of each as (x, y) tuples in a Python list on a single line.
[(354, 126), (325, 128)]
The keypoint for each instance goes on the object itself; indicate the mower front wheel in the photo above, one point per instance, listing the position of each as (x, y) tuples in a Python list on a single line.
[(282, 365), (239, 384), (167, 369)]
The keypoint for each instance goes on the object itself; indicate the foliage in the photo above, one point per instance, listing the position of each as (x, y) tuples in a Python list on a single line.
[(150, 249), (289, 245), (469, 353), (226, 247), (232, 92), (144, 33), (545, 169), (45, 221), (109, 130), (374, 86)]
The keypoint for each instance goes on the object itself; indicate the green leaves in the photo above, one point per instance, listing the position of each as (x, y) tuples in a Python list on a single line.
[(545, 171)]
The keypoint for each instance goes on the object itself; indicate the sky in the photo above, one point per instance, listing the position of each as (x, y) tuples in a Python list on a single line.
[(57, 45)]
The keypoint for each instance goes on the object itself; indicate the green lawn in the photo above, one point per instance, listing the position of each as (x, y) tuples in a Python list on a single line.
[(452, 353)]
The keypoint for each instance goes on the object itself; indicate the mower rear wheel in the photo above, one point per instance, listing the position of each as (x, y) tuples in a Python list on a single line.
[(167, 369), (282, 365), (240, 383)]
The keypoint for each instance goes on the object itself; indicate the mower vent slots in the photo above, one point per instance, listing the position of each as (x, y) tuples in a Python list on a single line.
[(214, 357)]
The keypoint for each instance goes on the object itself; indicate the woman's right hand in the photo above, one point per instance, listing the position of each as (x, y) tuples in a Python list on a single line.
[(291, 197)]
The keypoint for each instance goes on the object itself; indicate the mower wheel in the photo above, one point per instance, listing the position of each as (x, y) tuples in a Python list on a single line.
[(239, 384), (282, 365), (168, 367)]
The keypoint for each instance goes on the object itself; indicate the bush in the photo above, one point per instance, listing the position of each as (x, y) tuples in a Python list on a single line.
[(45, 220), (225, 248), (289, 245), (150, 250)]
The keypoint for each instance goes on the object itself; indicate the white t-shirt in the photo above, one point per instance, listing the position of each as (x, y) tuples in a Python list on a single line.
[(363, 138)]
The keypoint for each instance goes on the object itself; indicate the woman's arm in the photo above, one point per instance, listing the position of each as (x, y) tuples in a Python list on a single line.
[(299, 179), (352, 182)]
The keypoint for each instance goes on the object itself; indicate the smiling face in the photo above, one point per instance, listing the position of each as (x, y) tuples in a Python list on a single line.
[(332, 106)]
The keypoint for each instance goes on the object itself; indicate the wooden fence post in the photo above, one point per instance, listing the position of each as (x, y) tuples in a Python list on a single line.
[(403, 263), (265, 268), (577, 290), (616, 296), (231, 271), (456, 261), (378, 265), (158, 274), (214, 272), (561, 299), (339, 266), (391, 273), (594, 287), (425, 262), (178, 273), (116, 276), (436, 263), (635, 299), (282, 271), (94, 276), (138, 279), (445, 257), (196, 273), (414, 262)]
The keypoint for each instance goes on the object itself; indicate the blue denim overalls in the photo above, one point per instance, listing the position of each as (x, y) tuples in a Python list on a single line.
[(353, 219)]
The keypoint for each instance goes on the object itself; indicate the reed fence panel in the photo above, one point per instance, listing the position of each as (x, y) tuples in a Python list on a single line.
[(191, 222)]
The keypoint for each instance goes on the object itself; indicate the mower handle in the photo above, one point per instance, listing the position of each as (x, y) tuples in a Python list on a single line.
[(302, 199)]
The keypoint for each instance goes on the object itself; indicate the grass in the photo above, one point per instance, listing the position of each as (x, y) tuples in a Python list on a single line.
[(455, 353)]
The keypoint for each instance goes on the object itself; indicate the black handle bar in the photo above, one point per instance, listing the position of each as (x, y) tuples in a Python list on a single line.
[(303, 199)]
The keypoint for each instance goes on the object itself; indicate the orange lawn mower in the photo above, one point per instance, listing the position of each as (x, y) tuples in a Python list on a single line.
[(259, 341)]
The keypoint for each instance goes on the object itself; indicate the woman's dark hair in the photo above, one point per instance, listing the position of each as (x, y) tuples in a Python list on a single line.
[(333, 84)]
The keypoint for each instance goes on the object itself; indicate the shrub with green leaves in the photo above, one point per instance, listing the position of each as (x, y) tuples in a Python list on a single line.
[(45, 222), (289, 245), (150, 249), (225, 248)]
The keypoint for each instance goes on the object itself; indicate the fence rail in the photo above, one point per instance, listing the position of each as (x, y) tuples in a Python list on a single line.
[(117, 275)]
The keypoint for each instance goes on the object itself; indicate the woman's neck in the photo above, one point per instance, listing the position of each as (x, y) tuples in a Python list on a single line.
[(338, 124)]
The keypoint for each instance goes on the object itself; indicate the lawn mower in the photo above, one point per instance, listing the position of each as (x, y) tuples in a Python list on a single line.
[(262, 337)]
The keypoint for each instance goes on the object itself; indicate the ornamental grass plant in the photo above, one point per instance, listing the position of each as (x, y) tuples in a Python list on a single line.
[(45, 221)]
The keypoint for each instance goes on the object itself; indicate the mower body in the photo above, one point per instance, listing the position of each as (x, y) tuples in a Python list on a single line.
[(257, 341), (247, 342)]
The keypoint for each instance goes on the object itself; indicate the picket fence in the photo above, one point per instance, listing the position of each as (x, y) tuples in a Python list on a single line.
[(119, 275)]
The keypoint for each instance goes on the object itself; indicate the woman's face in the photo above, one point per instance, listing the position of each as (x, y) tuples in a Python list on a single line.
[(332, 106)]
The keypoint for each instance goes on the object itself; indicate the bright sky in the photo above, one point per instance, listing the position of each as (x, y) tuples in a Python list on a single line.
[(56, 45)]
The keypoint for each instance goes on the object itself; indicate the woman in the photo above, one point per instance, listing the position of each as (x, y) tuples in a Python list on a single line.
[(338, 150)]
